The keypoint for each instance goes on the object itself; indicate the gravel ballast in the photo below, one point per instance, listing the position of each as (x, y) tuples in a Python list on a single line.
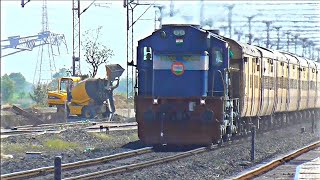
[(228, 161), (217, 164), (80, 145)]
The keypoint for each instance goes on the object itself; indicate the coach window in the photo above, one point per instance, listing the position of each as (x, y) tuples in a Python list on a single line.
[(147, 53)]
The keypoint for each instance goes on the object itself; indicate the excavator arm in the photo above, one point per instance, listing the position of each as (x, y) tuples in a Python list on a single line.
[(114, 71)]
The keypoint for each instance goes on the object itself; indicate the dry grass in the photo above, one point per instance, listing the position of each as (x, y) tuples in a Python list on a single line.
[(102, 136), (133, 137), (20, 148), (59, 144)]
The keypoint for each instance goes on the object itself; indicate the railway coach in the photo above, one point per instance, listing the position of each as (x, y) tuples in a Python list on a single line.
[(197, 87)]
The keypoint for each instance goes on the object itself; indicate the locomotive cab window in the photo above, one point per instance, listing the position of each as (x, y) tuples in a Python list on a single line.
[(147, 54), (217, 57)]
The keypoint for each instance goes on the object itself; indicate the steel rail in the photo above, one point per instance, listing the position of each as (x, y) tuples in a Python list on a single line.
[(55, 129), (57, 124), (91, 125), (140, 165), (39, 171), (275, 163)]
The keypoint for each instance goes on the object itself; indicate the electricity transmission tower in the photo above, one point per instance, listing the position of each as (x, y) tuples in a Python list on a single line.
[(45, 66)]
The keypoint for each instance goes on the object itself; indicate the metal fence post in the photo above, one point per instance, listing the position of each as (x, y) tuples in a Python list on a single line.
[(313, 122), (253, 136), (57, 168), (66, 110)]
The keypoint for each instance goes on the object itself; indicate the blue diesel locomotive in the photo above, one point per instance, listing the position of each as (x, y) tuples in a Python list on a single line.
[(197, 87)]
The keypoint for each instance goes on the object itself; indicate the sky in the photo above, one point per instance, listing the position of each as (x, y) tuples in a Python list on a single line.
[(26, 21)]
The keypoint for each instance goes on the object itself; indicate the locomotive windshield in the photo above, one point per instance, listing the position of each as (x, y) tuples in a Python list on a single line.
[(188, 61)]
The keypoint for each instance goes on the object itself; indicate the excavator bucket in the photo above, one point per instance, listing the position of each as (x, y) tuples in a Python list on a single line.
[(114, 71)]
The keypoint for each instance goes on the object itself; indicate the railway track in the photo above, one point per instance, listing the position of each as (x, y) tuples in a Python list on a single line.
[(76, 170), (132, 160), (79, 164), (276, 163), (143, 164), (59, 127)]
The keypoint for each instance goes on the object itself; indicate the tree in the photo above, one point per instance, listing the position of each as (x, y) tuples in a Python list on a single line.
[(19, 80), (39, 94), (84, 76), (7, 88), (63, 72), (95, 52)]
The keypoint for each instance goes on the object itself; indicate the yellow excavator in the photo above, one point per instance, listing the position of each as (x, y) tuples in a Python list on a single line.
[(87, 98)]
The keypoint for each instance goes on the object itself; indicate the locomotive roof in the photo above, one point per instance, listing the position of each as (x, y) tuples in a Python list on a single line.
[(173, 25), (181, 25)]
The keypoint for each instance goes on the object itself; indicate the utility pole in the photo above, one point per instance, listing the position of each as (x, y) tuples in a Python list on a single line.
[(296, 42), (278, 34), (288, 40), (257, 40), (230, 18), (201, 13), (160, 7), (268, 32), (304, 45), (130, 5), (313, 50), (249, 21), (224, 30), (239, 33), (23, 3), (318, 49), (76, 38)]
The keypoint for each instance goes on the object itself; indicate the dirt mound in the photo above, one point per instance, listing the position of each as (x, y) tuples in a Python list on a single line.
[(11, 118), (120, 101)]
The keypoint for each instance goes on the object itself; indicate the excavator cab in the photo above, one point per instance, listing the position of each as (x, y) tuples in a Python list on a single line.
[(58, 96)]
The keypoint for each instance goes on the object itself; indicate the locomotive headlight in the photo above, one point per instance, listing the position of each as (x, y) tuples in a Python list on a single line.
[(179, 32), (155, 101), (202, 102)]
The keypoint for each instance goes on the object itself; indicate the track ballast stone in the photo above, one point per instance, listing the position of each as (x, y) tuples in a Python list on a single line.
[(217, 164), (88, 146), (228, 161)]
